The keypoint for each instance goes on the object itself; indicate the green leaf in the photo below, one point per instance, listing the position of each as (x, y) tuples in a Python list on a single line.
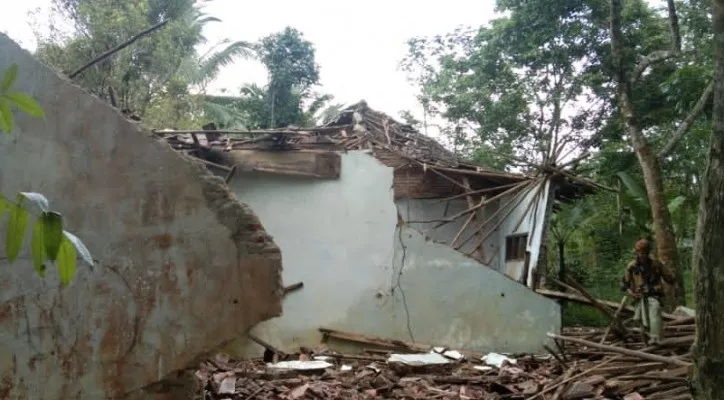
[(66, 261), (633, 187), (38, 247), (26, 104), (6, 115), (9, 78), (675, 204), (53, 233), (16, 231), (640, 212), (80, 247), (37, 199), (4, 205)]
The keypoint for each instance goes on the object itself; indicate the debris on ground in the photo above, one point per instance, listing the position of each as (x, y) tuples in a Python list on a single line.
[(584, 366)]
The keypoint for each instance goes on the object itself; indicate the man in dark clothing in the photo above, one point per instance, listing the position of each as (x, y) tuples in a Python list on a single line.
[(644, 282)]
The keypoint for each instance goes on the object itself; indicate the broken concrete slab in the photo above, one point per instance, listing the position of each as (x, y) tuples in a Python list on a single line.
[(183, 267)]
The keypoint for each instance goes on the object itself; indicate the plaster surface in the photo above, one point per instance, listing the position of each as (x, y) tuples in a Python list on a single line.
[(341, 239), (182, 267)]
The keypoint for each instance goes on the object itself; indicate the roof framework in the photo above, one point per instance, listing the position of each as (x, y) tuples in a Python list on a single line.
[(423, 167)]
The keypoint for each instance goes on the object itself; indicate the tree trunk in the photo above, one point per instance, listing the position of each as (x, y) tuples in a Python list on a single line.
[(663, 227), (666, 248), (562, 268), (561, 262), (708, 260)]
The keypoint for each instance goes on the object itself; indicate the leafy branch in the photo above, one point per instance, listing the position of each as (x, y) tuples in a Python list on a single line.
[(21, 101), (50, 243)]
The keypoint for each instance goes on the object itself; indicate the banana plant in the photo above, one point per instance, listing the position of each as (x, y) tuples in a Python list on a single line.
[(634, 198)]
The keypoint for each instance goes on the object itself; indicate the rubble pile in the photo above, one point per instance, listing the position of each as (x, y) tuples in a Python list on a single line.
[(330, 375), (582, 366), (624, 368)]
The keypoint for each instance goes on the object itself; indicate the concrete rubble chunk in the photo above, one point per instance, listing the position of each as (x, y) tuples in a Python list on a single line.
[(183, 267)]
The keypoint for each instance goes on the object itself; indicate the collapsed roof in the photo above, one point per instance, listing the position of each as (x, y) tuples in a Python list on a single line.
[(397, 145)]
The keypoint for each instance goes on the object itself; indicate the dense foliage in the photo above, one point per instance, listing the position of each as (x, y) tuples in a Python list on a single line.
[(545, 72), (540, 76), (163, 79)]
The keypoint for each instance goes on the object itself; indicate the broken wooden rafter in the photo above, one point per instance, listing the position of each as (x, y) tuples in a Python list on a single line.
[(266, 345), (371, 340), (293, 288), (550, 169), (615, 318), (478, 251), (213, 164), (479, 192), (231, 174), (571, 378), (622, 350), (443, 221), (464, 226), (616, 324), (535, 200), (580, 299), (286, 131), (119, 47), (556, 356), (508, 207)]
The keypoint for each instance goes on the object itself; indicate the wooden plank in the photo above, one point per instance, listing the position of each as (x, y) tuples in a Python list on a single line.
[(478, 253), (580, 299), (319, 165)]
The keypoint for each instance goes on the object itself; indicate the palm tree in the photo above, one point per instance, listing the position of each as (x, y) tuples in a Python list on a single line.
[(210, 63)]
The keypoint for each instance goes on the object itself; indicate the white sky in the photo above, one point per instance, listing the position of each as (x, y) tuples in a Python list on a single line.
[(358, 45)]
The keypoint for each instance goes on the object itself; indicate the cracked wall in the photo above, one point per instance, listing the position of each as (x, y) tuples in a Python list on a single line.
[(183, 267), (340, 237)]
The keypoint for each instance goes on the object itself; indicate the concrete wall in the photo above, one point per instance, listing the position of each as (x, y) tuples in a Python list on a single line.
[(182, 266), (340, 238)]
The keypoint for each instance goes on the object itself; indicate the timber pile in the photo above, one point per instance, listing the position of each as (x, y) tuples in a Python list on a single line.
[(624, 368), (582, 367)]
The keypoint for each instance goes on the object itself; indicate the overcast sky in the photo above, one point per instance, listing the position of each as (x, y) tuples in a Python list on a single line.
[(359, 45)]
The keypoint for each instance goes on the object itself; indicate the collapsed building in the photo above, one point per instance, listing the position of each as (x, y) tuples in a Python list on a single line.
[(388, 231), (391, 234)]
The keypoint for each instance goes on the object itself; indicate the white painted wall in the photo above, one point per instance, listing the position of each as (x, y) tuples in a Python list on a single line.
[(341, 239)]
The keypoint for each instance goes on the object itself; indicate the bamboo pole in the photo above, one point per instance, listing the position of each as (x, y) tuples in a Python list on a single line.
[(615, 318), (482, 225), (478, 251), (479, 191), (511, 205), (621, 350), (462, 229), (446, 220)]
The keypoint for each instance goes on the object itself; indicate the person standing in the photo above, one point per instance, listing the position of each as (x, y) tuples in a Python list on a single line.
[(644, 282)]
